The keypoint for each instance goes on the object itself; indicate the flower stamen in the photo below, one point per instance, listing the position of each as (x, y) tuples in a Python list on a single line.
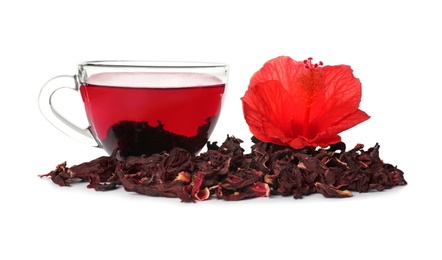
[(309, 65), (312, 83)]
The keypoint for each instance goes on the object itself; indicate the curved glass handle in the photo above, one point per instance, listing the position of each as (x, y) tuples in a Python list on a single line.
[(83, 135)]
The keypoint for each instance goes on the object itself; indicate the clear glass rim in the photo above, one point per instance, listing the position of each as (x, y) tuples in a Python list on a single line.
[(151, 64)]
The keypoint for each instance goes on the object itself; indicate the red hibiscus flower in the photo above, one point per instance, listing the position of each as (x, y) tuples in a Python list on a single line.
[(301, 104)]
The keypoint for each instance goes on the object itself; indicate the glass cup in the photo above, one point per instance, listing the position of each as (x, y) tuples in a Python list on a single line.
[(142, 107)]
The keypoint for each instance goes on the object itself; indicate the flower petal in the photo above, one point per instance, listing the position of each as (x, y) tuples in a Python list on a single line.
[(337, 109), (283, 69), (330, 135), (267, 110), (286, 71), (341, 96)]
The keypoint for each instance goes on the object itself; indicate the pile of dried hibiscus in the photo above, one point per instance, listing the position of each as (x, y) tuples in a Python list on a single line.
[(226, 172)]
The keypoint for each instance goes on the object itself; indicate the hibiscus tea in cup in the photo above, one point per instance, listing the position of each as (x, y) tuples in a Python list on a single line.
[(145, 108), (145, 119)]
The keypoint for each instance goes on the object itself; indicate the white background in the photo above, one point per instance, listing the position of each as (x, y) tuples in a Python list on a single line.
[(394, 47)]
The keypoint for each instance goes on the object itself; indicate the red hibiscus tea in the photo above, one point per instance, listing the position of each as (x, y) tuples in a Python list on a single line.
[(146, 113)]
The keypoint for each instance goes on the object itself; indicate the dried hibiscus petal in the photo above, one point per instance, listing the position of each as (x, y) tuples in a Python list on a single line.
[(330, 191), (163, 175), (96, 171), (59, 175), (258, 189), (196, 192), (240, 179)]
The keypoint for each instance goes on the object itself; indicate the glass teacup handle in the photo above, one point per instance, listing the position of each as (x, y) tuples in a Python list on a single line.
[(45, 103)]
